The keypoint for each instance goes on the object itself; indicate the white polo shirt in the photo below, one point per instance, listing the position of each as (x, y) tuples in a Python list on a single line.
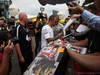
[(47, 32)]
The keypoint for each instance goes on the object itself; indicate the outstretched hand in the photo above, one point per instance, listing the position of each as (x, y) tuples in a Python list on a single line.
[(9, 48), (75, 8), (75, 15)]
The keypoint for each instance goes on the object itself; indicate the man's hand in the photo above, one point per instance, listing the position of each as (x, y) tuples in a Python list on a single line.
[(75, 8), (76, 15), (21, 59), (60, 35), (9, 48)]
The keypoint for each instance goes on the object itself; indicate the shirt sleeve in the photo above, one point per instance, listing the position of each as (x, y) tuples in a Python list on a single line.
[(92, 19), (46, 33)]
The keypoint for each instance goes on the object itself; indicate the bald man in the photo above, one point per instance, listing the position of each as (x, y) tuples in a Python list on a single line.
[(23, 44)]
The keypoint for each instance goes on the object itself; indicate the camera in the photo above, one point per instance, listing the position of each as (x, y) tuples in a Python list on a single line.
[(30, 25), (40, 16)]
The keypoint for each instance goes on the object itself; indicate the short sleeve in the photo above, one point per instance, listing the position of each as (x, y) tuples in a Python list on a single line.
[(46, 33)]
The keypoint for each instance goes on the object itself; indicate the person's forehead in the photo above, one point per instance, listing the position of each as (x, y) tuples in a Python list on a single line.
[(25, 16)]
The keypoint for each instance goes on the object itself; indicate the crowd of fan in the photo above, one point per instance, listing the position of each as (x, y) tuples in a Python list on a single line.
[(19, 34)]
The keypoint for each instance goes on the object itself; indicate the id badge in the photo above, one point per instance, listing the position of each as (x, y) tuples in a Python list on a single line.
[(28, 38)]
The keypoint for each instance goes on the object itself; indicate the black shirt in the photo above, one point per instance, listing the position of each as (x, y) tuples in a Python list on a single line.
[(25, 44), (93, 37)]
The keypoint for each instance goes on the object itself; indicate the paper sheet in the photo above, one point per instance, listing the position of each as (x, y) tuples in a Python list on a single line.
[(82, 28)]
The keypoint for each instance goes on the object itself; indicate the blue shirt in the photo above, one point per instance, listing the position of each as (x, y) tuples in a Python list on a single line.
[(92, 19)]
